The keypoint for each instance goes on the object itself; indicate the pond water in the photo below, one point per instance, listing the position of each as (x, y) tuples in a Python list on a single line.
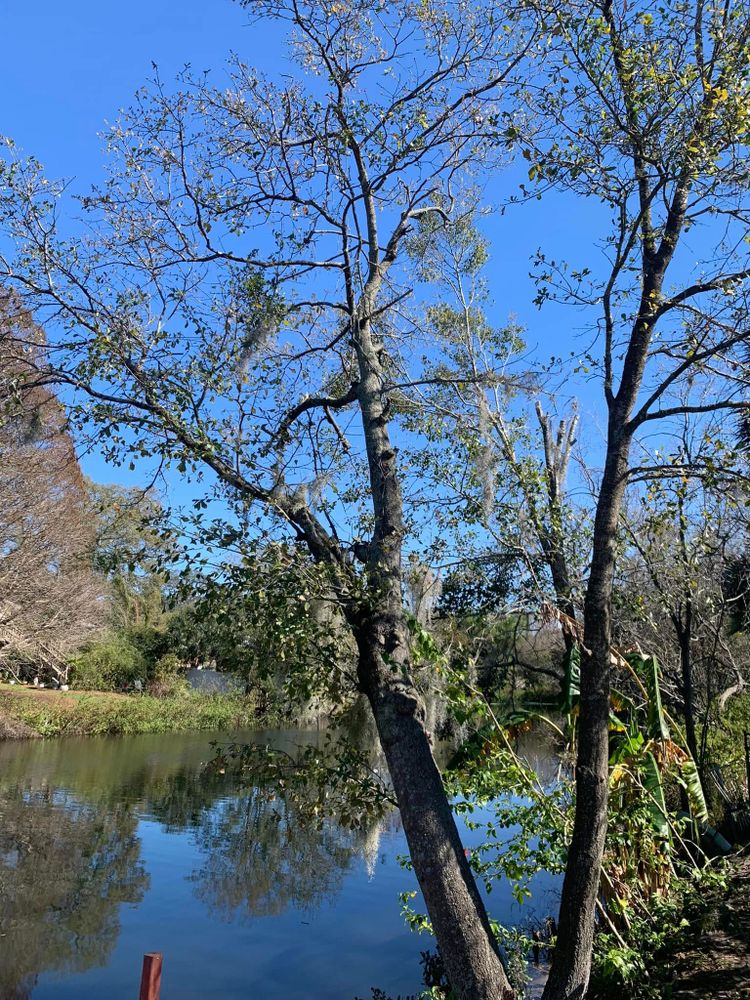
[(110, 848)]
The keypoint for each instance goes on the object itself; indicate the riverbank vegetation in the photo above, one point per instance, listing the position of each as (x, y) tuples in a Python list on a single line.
[(283, 306), (95, 713)]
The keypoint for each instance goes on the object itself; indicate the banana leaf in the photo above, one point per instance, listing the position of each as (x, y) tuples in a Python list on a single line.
[(629, 746), (692, 784), (648, 668), (655, 802), (572, 680)]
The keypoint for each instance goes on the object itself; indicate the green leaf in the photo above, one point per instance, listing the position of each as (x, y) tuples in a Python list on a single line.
[(692, 783), (655, 802), (648, 668), (572, 679)]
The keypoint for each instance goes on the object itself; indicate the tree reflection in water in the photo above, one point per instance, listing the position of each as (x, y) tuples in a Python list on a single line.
[(261, 858), (65, 868), (70, 853)]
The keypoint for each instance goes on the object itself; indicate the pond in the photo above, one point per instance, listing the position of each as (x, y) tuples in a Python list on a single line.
[(110, 848)]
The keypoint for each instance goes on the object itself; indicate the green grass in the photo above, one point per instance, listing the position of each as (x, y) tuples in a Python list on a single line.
[(52, 713)]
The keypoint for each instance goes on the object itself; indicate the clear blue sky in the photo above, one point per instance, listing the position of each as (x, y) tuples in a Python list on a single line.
[(68, 67)]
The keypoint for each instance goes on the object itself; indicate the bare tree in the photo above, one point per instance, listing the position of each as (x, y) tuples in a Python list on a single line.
[(50, 597), (644, 108)]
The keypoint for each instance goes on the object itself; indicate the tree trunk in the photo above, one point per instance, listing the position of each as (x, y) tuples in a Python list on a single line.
[(458, 915), (684, 630), (456, 910), (571, 965)]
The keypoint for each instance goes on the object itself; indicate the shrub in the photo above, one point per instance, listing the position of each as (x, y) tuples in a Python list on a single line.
[(167, 667), (110, 664), (166, 681)]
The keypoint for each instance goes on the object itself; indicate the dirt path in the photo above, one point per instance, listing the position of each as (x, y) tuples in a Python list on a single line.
[(718, 967)]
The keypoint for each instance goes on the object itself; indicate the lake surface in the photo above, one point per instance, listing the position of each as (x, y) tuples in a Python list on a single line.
[(113, 847)]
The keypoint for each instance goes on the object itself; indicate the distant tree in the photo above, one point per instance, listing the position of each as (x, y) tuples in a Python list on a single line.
[(132, 548), (507, 472), (49, 592)]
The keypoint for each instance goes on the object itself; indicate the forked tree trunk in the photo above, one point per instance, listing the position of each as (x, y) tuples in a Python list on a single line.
[(456, 910)]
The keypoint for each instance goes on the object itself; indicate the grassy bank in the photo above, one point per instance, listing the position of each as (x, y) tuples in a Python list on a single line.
[(26, 711)]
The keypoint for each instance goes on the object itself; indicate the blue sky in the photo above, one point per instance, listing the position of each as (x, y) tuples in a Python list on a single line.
[(68, 68)]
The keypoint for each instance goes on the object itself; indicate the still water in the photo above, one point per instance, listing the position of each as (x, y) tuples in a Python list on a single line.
[(110, 848)]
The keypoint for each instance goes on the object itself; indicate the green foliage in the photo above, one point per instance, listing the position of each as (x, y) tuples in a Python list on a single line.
[(478, 587), (334, 780), (165, 679), (110, 664), (645, 877), (654, 797), (726, 738), (134, 548), (691, 782), (647, 668), (272, 619), (638, 963), (527, 831), (167, 666)]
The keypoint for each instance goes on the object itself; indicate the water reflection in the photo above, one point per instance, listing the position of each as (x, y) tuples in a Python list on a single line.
[(65, 869), (83, 821), (260, 859), (70, 854)]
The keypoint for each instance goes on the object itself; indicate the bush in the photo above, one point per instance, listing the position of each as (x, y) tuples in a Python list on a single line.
[(167, 667), (110, 664), (166, 681), (640, 965)]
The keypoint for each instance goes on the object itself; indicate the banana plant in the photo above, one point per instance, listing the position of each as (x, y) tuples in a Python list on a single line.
[(643, 755), (672, 757)]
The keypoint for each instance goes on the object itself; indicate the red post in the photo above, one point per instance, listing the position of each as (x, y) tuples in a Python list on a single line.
[(151, 976)]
